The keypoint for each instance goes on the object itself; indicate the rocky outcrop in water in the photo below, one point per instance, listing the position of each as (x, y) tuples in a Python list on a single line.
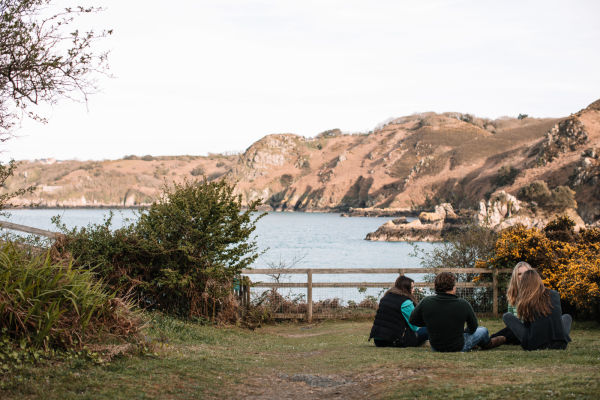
[(378, 212), (429, 227), (401, 230), (501, 211)]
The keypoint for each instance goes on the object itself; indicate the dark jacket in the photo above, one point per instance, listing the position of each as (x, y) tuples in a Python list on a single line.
[(390, 325), (546, 332), (445, 315)]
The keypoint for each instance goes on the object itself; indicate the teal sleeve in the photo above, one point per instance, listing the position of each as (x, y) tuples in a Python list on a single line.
[(407, 309)]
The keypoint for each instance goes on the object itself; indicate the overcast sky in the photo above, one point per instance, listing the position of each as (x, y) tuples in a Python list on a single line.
[(193, 76)]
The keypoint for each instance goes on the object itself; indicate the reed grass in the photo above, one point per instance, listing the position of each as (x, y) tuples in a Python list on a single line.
[(53, 306)]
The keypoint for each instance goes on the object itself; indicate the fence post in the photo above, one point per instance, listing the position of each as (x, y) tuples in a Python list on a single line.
[(495, 292), (246, 291), (309, 302)]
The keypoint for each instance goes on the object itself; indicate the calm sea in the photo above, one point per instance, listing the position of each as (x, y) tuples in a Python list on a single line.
[(306, 240)]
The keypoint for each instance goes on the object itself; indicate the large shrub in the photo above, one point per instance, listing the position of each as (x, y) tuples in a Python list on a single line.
[(182, 254), (558, 199), (506, 176), (462, 249), (44, 304), (536, 191)]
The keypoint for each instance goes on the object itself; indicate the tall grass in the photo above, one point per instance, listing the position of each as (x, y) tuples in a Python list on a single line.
[(44, 304)]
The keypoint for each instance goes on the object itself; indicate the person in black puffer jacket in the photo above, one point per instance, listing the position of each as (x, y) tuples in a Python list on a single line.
[(391, 327)]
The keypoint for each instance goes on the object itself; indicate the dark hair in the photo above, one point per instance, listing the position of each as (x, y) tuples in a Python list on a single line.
[(444, 282), (404, 284)]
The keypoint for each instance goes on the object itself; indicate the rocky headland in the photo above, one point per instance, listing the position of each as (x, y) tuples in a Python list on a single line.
[(398, 169), (501, 211)]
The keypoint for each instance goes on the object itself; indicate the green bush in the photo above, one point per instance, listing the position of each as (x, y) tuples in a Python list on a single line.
[(197, 171), (286, 180), (559, 199), (506, 176), (182, 254), (50, 305), (330, 133), (562, 198), (536, 191), (461, 249)]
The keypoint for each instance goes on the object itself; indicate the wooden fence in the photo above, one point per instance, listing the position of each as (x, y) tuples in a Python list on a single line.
[(28, 229), (309, 284)]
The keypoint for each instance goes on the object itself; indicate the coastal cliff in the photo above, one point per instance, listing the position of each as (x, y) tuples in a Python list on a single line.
[(404, 166)]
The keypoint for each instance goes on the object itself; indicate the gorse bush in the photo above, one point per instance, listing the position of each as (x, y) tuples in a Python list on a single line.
[(54, 306), (182, 254)]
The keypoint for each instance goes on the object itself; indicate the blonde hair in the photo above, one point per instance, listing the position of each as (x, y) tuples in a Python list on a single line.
[(534, 299), (513, 286)]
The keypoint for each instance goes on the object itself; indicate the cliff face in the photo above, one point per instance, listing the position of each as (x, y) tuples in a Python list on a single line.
[(411, 162), (423, 160)]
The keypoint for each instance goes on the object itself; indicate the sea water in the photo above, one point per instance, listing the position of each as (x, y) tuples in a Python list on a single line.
[(288, 239)]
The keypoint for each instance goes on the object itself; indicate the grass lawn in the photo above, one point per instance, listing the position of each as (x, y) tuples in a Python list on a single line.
[(326, 360)]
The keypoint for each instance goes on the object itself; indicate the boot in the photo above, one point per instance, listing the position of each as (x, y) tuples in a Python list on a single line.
[(494, 342)]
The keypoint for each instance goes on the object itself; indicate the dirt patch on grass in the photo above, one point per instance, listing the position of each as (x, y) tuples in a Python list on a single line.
[(361, 385), (307, 334)]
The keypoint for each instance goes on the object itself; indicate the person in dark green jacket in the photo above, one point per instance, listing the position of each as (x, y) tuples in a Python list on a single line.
[(445, 315)]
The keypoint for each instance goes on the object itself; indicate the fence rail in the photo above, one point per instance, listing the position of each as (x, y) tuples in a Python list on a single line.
[(28, 229), (309, 284)]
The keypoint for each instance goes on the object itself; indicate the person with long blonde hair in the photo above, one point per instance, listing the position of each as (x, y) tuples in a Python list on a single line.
[(511, 295), (513, 285), (544, 326)]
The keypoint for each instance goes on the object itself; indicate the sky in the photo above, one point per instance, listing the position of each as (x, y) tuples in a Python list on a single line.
[(198, 77)]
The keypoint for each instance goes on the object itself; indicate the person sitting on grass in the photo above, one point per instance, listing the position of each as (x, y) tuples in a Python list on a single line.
[(445, 315), (544, 326), (511, 296), (391, 327)]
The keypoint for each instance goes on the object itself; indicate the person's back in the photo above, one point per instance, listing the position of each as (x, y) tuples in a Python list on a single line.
[(445, 316), (547, 331), (544, 326), (391, 327)]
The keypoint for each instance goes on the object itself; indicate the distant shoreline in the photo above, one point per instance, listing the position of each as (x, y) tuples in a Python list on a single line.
[(103, 207)]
